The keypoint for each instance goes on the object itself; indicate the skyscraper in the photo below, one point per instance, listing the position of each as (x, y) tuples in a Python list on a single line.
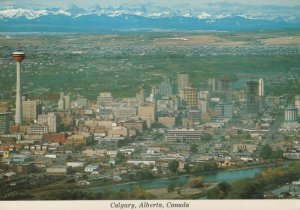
[(147, 112), (18, 57), (4, 122), (49, 119), (219, 85), (297, 103), (261, 87), (183, 81), (189, 95), (165, 88), (140, 96), (261, 95), (105, 99), (63, 102), (31, 109), (212, 85), (252, 97)]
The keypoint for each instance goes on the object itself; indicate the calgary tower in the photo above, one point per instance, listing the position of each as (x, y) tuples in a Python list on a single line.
[(18, 57)]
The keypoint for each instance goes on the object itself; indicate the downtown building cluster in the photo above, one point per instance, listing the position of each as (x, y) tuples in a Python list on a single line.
[(226, 124)]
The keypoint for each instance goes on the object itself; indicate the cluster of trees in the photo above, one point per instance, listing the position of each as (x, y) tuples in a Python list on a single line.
[(206, 137), (194, 148), (18, 191), (17, 196), (220, 192), (172, 188), (268, 153), (173, 166), (195, 182), (144, 174), (254, 188), (120, 158), (135, 194), (206, 166)]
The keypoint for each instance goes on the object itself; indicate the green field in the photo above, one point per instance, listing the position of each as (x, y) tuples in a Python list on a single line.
[(89, 64)]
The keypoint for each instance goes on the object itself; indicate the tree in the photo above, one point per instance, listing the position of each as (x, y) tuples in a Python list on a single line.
[(120, 158), (246, 189), (206, 137), (266, 151), (195, 182), (206, 166), (220, 192), (140, 194), (187, 167), (224, 187), (215, 194), (193, 148), (171, 188), (173, 166), (144, 174)]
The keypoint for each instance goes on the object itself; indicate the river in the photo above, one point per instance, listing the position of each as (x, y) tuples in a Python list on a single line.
[(219, 176)]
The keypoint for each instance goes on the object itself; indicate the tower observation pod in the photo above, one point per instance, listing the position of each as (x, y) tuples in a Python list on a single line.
[(18, 57)]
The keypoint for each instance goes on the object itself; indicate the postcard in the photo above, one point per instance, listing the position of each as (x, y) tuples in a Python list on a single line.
[(149, 104)]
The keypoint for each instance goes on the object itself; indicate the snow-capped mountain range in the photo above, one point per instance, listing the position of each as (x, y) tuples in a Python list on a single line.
[(97, 19)]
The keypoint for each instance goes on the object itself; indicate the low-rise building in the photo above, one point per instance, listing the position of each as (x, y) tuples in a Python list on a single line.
[(167, 121), (55, 137), (179, 135), (79, 139), (111, 140), (139, 125), (57, 171), (141, 162), (94, 152), (244, 147), (292, 155), (92, 167), (23, 168), (75, 164), (118, 130)]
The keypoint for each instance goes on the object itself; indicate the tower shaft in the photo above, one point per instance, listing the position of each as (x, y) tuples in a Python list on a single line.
[(18, 117)]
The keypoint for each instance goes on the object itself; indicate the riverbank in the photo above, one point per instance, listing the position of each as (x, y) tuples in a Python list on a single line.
[(262, 165), (227, 175), (181, 192)]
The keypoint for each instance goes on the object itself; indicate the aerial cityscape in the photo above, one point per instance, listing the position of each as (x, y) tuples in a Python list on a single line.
[(147, 108)]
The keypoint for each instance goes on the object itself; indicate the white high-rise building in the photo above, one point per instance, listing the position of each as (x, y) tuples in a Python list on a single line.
[(183, 81), (63, 102), (203, 105), (212, 85), (261, 87)]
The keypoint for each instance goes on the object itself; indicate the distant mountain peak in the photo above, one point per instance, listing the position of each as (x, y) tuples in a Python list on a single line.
[(123, 18), (204, 15), (19, 12), (75, 11)]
